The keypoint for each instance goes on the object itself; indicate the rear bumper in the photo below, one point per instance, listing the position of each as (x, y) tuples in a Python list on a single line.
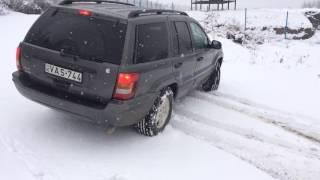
[(115, 113)]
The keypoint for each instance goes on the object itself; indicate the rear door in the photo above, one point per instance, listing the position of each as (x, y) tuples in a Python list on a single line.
[(78, 54), (205, 55), (184, 58)]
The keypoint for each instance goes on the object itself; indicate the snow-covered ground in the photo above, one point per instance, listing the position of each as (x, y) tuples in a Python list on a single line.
[(259, 18), (264, 121), (246, 3), (264, 113), (261, 25)]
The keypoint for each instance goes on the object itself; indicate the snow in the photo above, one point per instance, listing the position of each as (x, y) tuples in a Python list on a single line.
[(58, 147), (249, 3), (259, 18), (289, 70), (3, 10), (263, 123), (262, 25), (277, 85)]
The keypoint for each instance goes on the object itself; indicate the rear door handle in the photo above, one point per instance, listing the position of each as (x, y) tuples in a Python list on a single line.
[(178, 65), (200, 58)]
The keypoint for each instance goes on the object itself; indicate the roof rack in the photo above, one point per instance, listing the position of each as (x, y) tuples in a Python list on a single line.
[(146, 12), (65, 2)]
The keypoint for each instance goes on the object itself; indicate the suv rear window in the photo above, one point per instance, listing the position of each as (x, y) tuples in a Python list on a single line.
[(151, 42), (89, 38)]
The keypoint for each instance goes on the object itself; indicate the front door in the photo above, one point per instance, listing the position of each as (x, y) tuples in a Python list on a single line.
[(205, 55)]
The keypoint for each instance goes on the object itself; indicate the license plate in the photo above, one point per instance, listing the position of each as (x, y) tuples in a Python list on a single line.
[(63, 72)]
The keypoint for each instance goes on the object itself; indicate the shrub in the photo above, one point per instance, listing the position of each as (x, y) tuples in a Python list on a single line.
[(3, 9)]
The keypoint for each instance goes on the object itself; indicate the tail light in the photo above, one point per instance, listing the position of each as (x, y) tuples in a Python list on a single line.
[(125, 87), (83, 12), (18, 59)]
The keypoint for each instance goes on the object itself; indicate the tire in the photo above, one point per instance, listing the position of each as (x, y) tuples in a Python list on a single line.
[(159, 115), (212, 84)]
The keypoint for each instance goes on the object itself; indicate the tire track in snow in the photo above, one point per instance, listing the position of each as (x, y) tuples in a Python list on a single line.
[(279, 156), (263, 156), (252, 134), (284, 120), (256, 105)]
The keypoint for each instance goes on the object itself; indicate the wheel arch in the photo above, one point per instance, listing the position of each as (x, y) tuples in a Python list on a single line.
[(220, 60), (175, 89)]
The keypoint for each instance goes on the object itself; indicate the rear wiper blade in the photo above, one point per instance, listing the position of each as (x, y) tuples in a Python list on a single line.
[(64, 54)]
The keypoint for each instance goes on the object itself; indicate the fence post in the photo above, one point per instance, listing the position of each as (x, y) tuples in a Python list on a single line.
[(286, 28), (245, 18), (196, 5)]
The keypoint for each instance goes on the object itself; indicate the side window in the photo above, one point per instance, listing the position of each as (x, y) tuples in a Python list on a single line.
[(183, 44), (199, 36), (151, 42)]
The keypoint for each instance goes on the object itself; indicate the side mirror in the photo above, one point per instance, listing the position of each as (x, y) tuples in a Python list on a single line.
[(216, 44)]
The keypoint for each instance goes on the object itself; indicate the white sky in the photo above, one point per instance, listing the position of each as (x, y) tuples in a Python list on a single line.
[(270, 3), (253, 3)]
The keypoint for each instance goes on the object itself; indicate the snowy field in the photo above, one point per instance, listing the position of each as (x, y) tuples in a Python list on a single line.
[(263, 123), (261, 25), (259, 18)]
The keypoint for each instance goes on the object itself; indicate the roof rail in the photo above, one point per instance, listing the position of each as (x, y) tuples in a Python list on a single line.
[(146, 12), (64, 2)]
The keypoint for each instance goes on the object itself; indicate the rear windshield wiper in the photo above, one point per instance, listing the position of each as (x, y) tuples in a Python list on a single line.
[(64, 54)]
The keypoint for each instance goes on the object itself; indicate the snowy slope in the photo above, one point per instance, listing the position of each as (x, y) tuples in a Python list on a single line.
[(262, 25), (259, 18), (286, 70), (262, 122), (251, 4)]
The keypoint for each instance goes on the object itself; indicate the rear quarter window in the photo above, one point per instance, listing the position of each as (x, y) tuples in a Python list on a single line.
[(89, 38), (151, 42), (182, 40)]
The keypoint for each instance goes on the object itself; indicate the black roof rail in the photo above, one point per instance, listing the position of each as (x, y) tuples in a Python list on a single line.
[(145, 12), (64, 2)]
